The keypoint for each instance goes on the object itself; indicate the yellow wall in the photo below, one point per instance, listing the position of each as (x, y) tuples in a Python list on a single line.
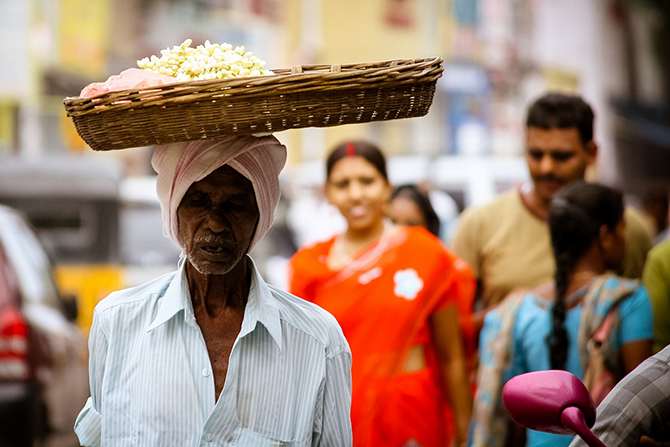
[(6, 125), (84, 36), (354, 31)]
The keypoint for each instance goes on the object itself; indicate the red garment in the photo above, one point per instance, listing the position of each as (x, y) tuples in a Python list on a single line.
[(383, 300)]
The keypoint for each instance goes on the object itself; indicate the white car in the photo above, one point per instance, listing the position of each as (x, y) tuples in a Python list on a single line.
[(43, 355)]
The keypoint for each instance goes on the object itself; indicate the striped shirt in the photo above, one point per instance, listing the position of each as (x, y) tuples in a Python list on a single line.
[(288, 380), (638, 405)]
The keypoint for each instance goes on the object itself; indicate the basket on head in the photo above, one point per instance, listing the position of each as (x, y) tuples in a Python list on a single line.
[(303, 96)]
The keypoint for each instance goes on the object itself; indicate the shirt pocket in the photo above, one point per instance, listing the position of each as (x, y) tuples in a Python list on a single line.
[(247, 438)]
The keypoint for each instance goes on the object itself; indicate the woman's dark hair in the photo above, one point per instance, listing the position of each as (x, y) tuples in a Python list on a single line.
[(577, 212), (368, 151), (414, 194), (561, 111)]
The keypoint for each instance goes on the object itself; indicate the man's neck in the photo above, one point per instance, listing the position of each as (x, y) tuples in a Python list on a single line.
[(538, 206), (214, 293)]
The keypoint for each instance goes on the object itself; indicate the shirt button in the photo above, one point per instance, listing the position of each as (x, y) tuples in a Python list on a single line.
[(205, 372), (209, 438)]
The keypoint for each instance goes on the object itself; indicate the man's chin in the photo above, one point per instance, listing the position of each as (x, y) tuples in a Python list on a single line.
[(208, 267), (547, 192)]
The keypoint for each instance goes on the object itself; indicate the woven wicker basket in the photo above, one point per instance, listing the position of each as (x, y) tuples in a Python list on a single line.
[(304, 96)]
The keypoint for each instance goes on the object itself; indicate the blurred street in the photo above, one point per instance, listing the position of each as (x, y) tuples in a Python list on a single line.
[(77, 225)]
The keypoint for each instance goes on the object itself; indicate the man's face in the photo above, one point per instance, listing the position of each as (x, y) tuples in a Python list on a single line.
[(217, 219), (556, 157)]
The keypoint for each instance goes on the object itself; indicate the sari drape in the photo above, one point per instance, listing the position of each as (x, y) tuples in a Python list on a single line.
[(383, 301)]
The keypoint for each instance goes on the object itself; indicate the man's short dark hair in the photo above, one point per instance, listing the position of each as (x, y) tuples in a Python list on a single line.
[(562, 111)]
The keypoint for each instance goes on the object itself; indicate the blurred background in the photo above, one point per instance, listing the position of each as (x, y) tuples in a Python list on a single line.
[(96, 215)]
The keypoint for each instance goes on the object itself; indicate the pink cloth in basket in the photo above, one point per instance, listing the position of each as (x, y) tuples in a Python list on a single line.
[(132, 78)]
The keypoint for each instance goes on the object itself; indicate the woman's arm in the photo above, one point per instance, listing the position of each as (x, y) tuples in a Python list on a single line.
[(447, 341), (635, 330)]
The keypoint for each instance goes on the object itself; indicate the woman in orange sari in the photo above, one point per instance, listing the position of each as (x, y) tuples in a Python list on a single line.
[(396, 292)]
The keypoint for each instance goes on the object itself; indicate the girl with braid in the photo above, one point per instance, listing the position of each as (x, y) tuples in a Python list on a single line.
[(549, 327)]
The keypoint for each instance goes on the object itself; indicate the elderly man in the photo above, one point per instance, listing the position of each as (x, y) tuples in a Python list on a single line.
[(507, 242), (210, 355)]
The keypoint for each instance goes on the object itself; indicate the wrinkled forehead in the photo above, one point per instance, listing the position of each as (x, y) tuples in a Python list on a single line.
[(227, 175), (224, 181)]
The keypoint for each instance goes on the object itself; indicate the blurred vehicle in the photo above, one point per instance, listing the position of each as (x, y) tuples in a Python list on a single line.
[(73, 205), (43, 355), (145, 252), (102, 231)]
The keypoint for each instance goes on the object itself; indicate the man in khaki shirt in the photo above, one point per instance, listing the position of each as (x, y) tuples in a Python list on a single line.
[(507, 242)]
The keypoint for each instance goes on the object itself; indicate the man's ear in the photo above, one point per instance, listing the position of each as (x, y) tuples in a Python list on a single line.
[(591, 149)]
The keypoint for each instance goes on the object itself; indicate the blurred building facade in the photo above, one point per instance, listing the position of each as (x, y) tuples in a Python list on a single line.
[(499, 55)]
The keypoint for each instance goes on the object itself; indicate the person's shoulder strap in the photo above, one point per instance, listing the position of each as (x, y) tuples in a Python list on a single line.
[(605, 293)]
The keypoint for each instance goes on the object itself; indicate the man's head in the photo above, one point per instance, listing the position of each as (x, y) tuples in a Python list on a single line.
[(217, 220), (559, 142), (218, 196)]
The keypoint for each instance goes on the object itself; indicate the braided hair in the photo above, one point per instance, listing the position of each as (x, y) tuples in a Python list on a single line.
[(576, 214)]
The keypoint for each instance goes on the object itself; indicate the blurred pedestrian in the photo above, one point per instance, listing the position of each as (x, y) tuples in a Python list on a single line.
[(551, 326), (211, 353), (656, 279), (654, 208), (395, 291), (411, 207), (506, 242)]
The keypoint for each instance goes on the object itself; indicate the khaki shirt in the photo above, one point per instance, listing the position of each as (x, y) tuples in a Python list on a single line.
[(508, 247)]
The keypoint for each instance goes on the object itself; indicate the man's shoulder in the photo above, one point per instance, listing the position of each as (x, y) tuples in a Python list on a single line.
[(482, 221), (503, 202), (148, 290), (310, 319)]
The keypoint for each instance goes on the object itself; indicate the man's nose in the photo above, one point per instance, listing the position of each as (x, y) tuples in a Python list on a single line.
[(547, 164), (217, 220)]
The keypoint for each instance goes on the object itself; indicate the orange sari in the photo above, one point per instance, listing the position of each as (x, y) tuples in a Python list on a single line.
[(383, 301)]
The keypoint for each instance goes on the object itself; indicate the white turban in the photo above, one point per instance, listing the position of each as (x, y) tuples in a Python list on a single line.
[(179, 165)]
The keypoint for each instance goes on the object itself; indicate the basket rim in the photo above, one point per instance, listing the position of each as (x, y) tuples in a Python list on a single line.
[(283, 79), (316, 95)]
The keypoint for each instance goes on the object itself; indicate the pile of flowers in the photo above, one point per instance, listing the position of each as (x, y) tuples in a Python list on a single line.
[(208, 61)]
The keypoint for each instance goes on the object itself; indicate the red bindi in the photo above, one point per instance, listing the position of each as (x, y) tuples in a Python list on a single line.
[(351, 149)]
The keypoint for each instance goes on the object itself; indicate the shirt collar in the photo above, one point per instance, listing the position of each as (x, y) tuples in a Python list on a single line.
[(176, 298), (261, 304), (261, 308)]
